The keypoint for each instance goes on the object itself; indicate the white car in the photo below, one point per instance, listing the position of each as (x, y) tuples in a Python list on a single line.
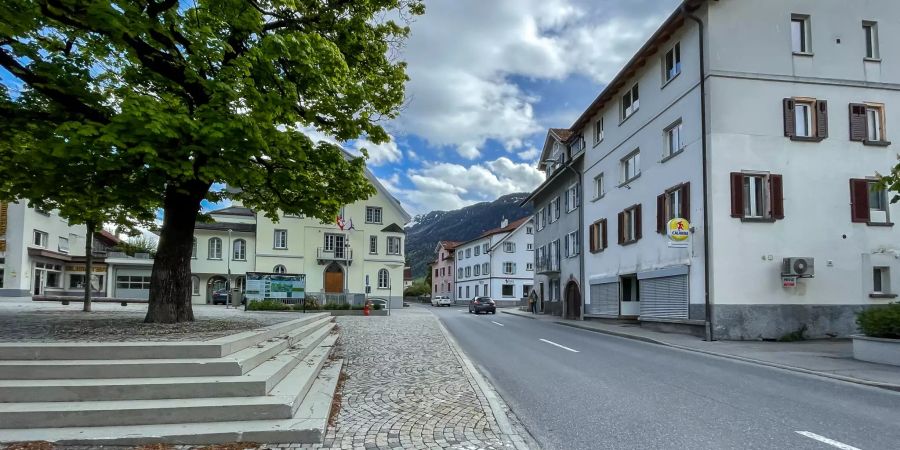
[(441, 300)]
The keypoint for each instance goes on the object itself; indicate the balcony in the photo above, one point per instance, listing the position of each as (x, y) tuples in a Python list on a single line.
[(339, 254), (545, 266)]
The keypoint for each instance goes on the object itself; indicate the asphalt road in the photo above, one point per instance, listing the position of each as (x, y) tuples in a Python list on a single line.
[(576, 389)]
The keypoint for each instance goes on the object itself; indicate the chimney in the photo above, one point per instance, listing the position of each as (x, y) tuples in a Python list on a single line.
[(504, 222)]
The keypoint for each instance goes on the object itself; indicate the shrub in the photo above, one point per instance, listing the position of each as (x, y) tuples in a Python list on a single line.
[(268, 305), (880, 321), (357, 307), (310, 306), (376, 307)]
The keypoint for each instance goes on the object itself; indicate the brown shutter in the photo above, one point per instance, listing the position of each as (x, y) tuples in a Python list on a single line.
[(789, 119), (603, 234), (661, 213), (821, 119), (686, 201), (737, 194), (859, 201), (776, 191), (591, 237), (858, 131), (621, 227), (637, 222)]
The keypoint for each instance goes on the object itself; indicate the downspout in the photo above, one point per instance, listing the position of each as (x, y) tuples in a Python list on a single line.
[(704, 143)]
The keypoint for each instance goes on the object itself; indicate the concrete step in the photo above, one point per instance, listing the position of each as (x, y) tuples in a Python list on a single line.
[(256, 382), (281, 403), (307, 426), (214, 348), (237, 363)]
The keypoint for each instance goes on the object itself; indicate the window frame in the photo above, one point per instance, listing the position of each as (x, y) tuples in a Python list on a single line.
[(677, 127), (805, 44), (60, 247), (633, 98), (572, 200), (394, 241), (632, 160), (598, 131), (275, 242), (209, 252), (375, 211), (629, 221), (675, 51), (597, 241), (234, 253), (42, 236), (373, 244), (384, 282), (599, 188), (870, 39), (878, 110)]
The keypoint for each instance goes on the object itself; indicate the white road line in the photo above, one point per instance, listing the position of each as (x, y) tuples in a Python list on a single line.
[(560, 346), (825, 440), (497, 323)]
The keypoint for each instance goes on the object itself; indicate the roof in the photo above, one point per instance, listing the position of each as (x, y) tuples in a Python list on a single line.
[(508, 228), (549, 181), (234, 211), (563, 134), (449, 245), (107, 236), (225, 226), (393, 228)]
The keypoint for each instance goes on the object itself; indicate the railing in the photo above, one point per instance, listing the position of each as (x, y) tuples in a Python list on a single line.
[(335, 254), (546, 265)]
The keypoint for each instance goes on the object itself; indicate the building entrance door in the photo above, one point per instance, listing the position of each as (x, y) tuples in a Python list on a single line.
[(629, 297), (573, 301), (334, 279)]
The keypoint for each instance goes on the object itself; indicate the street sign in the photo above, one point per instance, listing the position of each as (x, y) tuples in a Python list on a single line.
[(679, 232), (261, 286)]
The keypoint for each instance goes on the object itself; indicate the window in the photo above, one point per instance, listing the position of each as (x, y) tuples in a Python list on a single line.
[(460, 291), (41, 239), (597, 236), (194, 249), (870, 30), (467, 291), (384, 279), (373, 245), (800, 34), (805, 119), (630, 225), (630, 102), (476, 290), (373, 214), (281, 239), (672, 204), (529, 230), (509, 268), (279, 269), (468, 253), (572, 198), (529, 246), (507, 290), (553, 210), (598, 131), (881, 280), (468, 271), (553, 251), (571, 244), (541, 219), (509, 247), (867, 123), (239, 250), (476, 271), (577, 145), (672, 63), (477, 250), (673, 144), (873, 123), (529, 267), (460, 275), (215, 248), (486, 268), (393, 245), (631, 166), (133, 282), (63, 245), (868, 203), (599, 188), (195, 285), (757, 196)]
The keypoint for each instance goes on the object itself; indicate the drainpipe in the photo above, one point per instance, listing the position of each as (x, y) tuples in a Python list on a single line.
[(705, 145)]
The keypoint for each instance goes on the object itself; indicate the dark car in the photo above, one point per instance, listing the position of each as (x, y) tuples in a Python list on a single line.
[(482, 304), (220, 297)]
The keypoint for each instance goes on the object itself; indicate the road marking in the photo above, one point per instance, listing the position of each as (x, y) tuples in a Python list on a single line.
[(562, 346), (825, 440), (497, 323)]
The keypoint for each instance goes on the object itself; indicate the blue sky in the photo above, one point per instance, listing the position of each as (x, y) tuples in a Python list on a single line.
[(487, 78)]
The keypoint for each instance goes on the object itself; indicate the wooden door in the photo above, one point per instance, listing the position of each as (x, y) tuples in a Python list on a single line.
[(334, 280)]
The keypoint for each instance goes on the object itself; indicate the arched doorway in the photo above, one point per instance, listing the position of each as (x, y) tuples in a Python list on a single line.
[(215, 283), (334, 279), (573, 301)]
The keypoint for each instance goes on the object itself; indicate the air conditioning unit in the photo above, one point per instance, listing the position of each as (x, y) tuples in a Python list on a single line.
[(801, 267)]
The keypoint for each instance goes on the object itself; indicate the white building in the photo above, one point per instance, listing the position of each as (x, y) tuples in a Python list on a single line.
[(797, 111), (498, 264)]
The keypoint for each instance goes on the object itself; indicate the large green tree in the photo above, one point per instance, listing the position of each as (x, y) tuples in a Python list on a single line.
[(170, 98)]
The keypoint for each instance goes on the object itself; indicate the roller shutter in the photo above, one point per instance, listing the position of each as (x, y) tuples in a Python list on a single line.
[(665, 297), (604, 300)]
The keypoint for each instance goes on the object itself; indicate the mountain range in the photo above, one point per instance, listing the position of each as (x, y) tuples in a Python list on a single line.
[(425, 230)]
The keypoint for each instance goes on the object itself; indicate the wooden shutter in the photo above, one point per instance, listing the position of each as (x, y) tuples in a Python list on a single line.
[(859, 201), (621, 227), (591, 239), (737, 194), (603, 234), (858, 131), (790, 127), (821, 119), (661, 213), (686, 201), (776, 192), (637, 222)]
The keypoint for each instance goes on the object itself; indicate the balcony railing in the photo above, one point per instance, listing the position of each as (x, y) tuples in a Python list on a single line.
[(340, 254), (546, 265)]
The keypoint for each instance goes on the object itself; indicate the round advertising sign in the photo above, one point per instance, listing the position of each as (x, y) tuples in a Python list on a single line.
[(678, 229)]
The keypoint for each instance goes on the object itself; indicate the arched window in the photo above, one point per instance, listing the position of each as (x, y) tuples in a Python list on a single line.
[(195, 285), (215, 248), (279, 269), (239, 252), (194, 249), (384, 279)]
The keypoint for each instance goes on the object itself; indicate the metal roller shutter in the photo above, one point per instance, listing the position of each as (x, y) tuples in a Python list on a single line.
[(665, 297), (604, 300)]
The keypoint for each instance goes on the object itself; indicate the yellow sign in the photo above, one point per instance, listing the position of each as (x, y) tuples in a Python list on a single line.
[(678, 230)]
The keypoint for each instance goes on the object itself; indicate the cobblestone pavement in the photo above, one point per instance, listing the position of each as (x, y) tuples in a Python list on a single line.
[(406, 389), (25, 320)]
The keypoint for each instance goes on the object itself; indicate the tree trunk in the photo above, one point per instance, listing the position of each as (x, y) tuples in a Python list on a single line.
[(170, 281), (88, 264)]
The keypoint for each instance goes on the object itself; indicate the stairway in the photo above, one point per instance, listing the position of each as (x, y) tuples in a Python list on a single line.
[(273, 385)]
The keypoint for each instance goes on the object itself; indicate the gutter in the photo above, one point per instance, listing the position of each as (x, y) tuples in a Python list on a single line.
[(689, 13)]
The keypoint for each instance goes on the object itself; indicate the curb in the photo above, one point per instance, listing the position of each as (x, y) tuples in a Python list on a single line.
[(498, 407), (888, 386), (518, 315)]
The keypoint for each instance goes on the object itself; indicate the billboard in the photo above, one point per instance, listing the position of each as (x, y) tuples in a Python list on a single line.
[(282, 286)]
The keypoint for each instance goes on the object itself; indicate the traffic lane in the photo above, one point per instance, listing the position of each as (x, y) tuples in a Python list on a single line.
[(633, 378)]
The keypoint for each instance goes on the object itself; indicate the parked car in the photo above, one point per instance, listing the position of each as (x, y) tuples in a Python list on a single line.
[(441, 300), (482, 304), (220, 297), (378, 301)]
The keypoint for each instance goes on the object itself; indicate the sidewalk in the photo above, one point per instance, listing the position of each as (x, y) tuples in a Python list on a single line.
[(826, 358)]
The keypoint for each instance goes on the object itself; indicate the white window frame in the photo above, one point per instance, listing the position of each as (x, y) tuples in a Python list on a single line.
[(599, 188), (529, 246), (553, 206), (477, 250), (631, 166), (870, 38), (804, 116), (394, 245), (373, 245), (40, 238), (460, 273), (876, 214), (512, 290), (756, 208), (214, 253), (670, 73), (509, 247), (673, 143), (235, 254), (279, 239), (374, 214), (509, 268), (195, 285), (469, 252), (881, 280), (476, 270), (572, 247), (529, 267), (572, 198), (486, 269), (631, 102), (484, 248), (801, 34), (194, 249), (529, 230), (468, 271), (673, 203), (598, 131), (875, 123), (63, 245)]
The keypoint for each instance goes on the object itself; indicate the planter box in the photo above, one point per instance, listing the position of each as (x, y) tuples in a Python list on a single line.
[(876, 350)]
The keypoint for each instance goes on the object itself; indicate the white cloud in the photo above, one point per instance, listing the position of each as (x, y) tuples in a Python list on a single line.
[(379, 154), (529, 155)]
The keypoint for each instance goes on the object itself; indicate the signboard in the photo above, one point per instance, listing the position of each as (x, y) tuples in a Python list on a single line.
[(262, 286), (788, 282), (679, 232)]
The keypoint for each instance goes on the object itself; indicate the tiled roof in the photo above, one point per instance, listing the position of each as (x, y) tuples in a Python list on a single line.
[(109, 237), (509, 227), (450, 245), (562, 133)]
